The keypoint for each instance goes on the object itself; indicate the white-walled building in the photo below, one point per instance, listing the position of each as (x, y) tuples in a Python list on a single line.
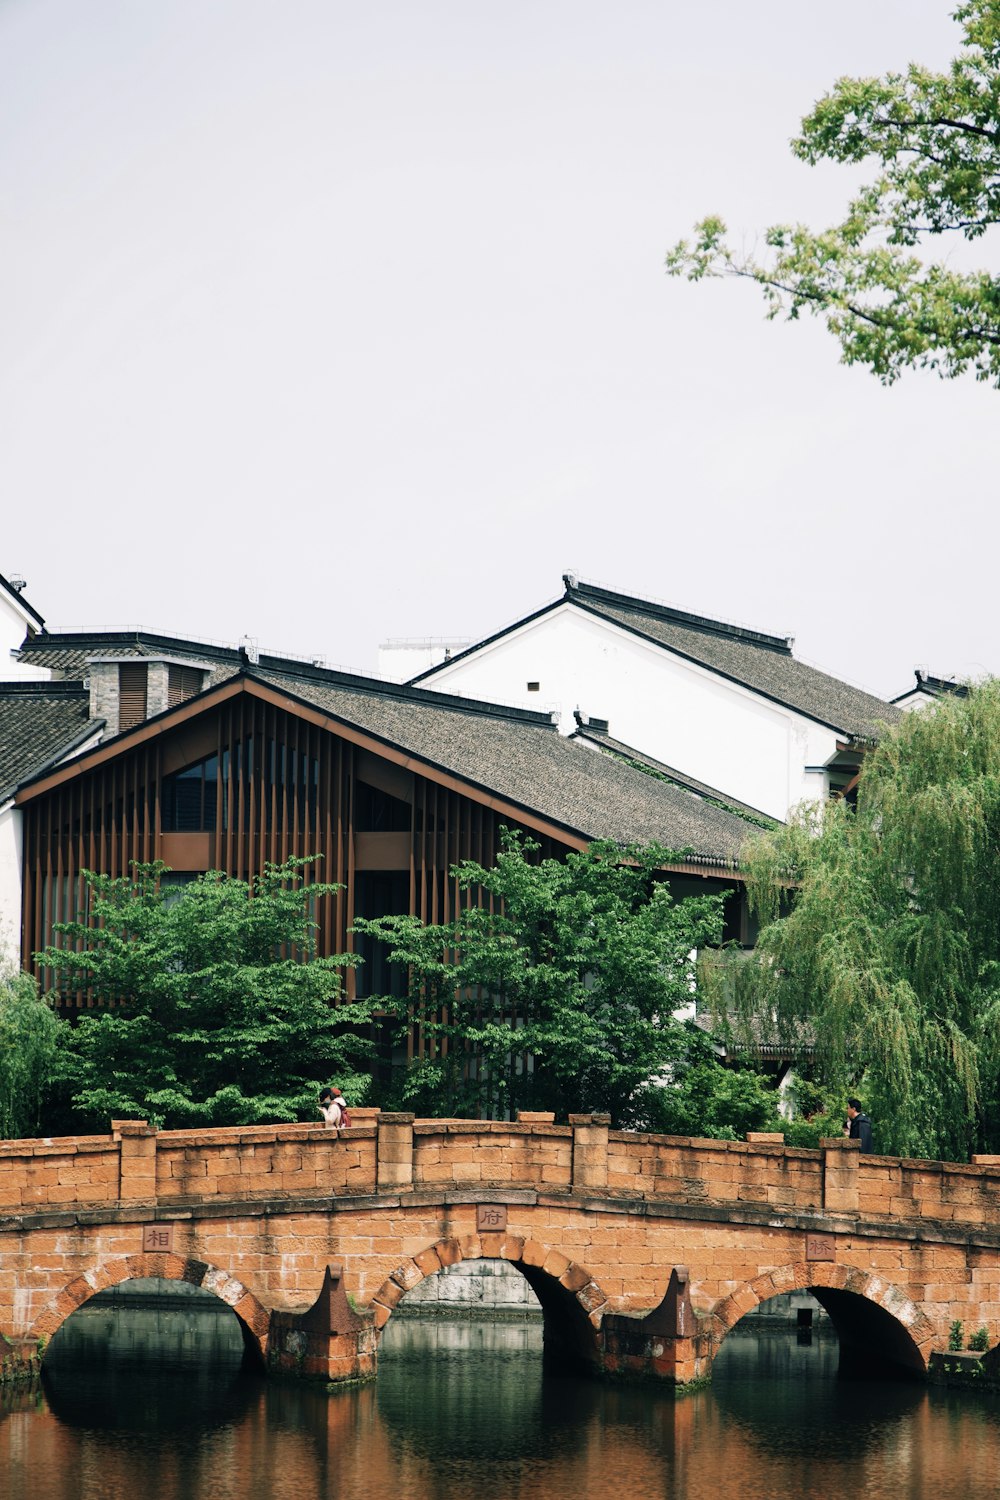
[(727, 707), (927, 690), (17, 620), (403, 659)]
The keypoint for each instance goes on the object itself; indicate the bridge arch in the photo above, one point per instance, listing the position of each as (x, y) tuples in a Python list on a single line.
[(253, 1317), (572, 1301), (873, 1318)]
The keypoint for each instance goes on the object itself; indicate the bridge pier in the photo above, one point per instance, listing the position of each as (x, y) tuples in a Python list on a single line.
[(668, 1344), (330, 1342)]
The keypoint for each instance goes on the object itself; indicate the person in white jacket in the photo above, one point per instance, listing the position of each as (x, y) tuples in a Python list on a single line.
[(332, 1106)]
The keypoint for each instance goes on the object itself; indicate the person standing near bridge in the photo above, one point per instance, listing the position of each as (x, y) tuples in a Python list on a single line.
[(333, 1108), (860, 1126)]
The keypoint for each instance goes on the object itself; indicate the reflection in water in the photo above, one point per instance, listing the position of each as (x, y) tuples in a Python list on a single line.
[(148, 1362), (463, 1410)]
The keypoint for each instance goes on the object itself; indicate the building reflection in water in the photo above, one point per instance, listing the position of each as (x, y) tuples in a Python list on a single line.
[(164, 1409)]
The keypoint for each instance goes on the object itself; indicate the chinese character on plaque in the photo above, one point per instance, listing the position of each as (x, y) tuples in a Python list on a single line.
[(158, 1238), (491, 1217), (821, 1247)]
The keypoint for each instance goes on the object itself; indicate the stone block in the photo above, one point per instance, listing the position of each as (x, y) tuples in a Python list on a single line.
[(428, 1261), (575, 1278), (556, 1264), (407, 1275)]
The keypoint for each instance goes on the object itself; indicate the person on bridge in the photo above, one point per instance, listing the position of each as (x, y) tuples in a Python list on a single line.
[(860, 1127), (333, 1107)]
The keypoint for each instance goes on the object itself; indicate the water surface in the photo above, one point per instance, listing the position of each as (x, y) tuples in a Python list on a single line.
[(153, 1403)]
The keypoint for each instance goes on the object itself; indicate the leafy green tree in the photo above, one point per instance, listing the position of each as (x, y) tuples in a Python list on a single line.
[(30, 1054), (887, 952), (703, 1098), (935, 138), (556, 985), (215, 1008)]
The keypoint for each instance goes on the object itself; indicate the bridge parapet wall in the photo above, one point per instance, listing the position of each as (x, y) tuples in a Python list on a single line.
[(686, 1170), (275, 1161), (397, 1154), (531, 1152), (39, 1174)]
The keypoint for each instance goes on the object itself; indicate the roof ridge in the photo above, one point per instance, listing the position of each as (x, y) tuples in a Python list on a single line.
[(33, 687), (56, 639), (16, 594), (410, 692), (577, 591)]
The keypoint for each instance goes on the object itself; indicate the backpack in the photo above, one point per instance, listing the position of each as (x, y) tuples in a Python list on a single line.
[(345, 1115)]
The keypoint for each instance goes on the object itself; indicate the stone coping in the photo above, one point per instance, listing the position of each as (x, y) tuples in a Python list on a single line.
[(926, 1231)]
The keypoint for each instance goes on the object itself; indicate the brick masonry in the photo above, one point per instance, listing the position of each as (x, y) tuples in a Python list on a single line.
[(597, 1220)]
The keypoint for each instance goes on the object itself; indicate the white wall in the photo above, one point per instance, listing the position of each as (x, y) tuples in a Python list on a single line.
[(10, 885), (11, 840), (401, 660), (14, 621), (675, 710)]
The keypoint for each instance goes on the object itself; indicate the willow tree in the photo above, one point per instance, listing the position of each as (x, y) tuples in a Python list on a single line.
[(30, 1053), (935, 141), (882, 932)]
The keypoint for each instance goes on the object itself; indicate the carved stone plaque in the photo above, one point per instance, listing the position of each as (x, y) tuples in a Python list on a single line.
[(158, 1239), (491, 1218), (821, 1247)]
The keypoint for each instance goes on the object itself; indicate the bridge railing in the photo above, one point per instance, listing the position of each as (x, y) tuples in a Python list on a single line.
[(395, 1153)]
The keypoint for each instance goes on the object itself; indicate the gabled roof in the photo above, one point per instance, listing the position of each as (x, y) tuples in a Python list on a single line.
[(513, 759), (762, 663), (934, 687), (68, 652), (23, 606), (40, 724)]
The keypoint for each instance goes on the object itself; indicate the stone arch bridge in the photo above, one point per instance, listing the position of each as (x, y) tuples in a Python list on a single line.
[(644, 1250)]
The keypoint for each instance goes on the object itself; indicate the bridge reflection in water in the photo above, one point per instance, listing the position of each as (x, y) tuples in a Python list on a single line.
[(156, 1401)]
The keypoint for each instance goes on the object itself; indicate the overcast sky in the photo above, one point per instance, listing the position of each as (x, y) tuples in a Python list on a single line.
[(326, 322)]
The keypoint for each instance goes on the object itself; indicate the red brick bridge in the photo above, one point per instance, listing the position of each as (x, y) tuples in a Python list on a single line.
[(643, 1250)]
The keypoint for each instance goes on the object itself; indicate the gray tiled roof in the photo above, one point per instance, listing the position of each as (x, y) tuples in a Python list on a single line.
[(40, 722), (515, 753), (68, 653), (935, 687), (524, 760), (763, 663)]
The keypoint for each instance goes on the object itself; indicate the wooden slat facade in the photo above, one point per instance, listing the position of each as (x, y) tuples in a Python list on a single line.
[(277, 785)]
